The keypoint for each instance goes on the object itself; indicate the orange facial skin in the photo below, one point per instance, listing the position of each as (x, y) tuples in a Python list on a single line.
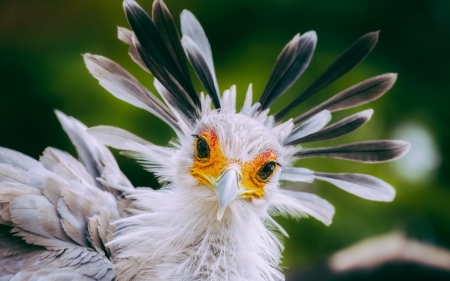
[(204, 170), (250, 180), (207, 170)]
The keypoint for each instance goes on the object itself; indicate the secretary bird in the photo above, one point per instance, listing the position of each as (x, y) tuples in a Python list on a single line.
[(68, 219)]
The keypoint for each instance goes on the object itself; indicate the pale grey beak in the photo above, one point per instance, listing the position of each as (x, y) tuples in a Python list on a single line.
[(227, 190)]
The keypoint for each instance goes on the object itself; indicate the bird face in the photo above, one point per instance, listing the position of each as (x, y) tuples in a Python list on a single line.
[(236, 157)]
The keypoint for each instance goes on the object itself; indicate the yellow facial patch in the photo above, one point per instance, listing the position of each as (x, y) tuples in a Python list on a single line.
[(208, 168), (209, 163), (251, 170)]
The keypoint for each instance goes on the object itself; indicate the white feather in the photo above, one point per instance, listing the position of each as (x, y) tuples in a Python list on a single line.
[(282, 130), (193, 243), (228, 101), (246, 108), (232, 100), (297, 174), (190, 27), (260, 116), (364, 186), (206, 102), (312, 125), (298, 204)]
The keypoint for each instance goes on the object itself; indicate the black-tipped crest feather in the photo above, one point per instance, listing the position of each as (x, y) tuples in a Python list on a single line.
[(181, 99), (153, 46), (126, 36), (201, 68), (198, 51), (290, 65), (166, 25), (338, 129), (361, 93), (367, 151), (344, 63)]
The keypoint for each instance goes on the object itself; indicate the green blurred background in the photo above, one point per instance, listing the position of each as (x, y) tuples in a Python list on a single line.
[(41, 69)]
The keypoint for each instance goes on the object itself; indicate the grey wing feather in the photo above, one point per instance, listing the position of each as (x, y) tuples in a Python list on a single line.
[(86, 153), (97, 159), (69, 264), (54, 221), (9, 173), (19, 160)]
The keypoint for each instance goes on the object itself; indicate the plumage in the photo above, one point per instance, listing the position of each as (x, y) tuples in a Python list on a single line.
[(190, 27), (290, 65), (212, 219), (298, 204), (201, 68), (367, 151), (364, 186), (154, 45), (361, 93), (338, 129), (49, 209), (297, 174), (157, 58), (343, 64), (311, 126), (166, 26), (126, 36), (122, 85)]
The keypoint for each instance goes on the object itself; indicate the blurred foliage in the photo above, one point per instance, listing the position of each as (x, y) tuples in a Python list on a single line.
[(41, 69)]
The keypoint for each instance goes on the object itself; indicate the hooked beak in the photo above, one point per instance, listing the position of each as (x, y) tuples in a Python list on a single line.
[(227, 189)]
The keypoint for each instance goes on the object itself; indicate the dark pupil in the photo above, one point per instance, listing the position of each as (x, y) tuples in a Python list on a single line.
[(266, 170), (202, 148)]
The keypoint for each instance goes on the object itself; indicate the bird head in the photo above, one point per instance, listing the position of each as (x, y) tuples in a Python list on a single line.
[(234, 156)]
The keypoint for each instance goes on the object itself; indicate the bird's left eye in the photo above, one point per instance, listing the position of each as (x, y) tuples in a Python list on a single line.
[(266, 171), (202, 148)]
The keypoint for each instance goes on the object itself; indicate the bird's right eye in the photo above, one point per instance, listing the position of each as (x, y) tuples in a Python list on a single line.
[(202, 148)]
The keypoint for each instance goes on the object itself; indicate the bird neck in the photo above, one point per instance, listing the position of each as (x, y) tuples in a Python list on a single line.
[(178, 236)]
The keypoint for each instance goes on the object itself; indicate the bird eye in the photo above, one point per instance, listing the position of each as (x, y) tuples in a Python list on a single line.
[(202, 148), (266, 171)]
